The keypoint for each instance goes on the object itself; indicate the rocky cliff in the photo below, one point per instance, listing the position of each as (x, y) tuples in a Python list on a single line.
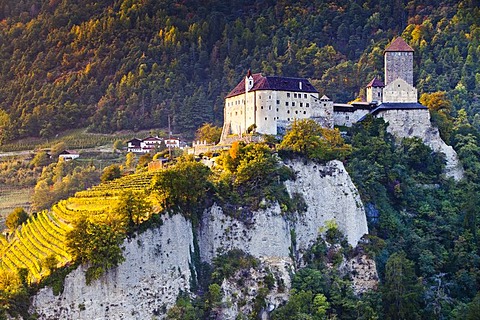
[(159, 262), (416, 123)]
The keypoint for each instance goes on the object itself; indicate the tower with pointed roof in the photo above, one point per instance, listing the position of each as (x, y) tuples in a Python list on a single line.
[(375, 91), (398, 57), (399, 86)]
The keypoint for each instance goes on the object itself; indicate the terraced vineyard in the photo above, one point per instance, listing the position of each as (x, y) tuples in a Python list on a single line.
[(44, 234)]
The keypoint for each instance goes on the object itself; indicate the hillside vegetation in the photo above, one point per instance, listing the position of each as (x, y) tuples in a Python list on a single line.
[(129, 64)]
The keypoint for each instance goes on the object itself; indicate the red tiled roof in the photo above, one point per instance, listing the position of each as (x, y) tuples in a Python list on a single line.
[(375, 83), (274, 83), (398, 45)]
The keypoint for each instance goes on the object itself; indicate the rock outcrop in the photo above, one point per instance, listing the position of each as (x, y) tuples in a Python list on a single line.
[(159, 262), (416, 123)]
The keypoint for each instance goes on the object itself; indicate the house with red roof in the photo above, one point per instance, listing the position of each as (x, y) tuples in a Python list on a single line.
[(267, 104)]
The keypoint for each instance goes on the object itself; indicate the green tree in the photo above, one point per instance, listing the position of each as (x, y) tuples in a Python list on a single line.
[(208, 132), (40, 159), (110, 173), (98, 244), (130, 160), (440, 108), (182, 187), (135, 207), (401, 290), (57, 149), (306, 137), (16, 218)]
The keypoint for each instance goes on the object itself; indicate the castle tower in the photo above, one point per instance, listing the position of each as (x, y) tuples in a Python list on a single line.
[(399, 86), (398, 58), (375, 91)]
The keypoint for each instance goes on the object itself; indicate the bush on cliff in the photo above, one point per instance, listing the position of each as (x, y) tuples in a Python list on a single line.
[(309, 139)]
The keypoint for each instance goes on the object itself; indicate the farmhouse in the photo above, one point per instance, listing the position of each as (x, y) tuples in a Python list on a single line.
[(152, 144), (68, 155)]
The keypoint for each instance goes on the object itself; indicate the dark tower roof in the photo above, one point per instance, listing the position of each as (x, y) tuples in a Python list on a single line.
[(375, 83), (274, 83), (399, 45)]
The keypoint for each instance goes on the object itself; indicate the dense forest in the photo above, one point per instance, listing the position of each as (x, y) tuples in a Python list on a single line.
[(131, 64)]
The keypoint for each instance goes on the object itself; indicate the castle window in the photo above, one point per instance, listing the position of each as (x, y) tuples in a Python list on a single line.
[(261, 107), (296, 111), (278, 101), (378, 94), (324, 104), (286, 103), (294, 95), (305, 96), (399, 86), (301, 104), (288, 111), (293, 104), (307, 105), (269, 107), (304, 112), (288, 94), (266, 118), (277, 109)]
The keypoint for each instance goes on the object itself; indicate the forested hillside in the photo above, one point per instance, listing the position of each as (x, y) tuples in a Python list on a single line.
[(130, 64)]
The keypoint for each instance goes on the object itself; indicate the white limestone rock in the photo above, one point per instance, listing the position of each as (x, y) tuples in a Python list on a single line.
[(156, 267), (158, 261), (416, 123), (330, 195)]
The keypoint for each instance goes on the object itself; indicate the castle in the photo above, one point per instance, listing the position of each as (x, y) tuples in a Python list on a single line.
[(268, 105)]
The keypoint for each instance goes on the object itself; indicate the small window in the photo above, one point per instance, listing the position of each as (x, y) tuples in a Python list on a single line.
[(378, 93), (288, 111), (261, 107), (399, 86), (324, 104), (304, 112), (307, 105), (296, 111), (266, 118), (277, 109), (236, 113), (259, 97), (301, 104), (269, 107), (293, 104), (286, 103), (288, 119), (278, 101), (347, 117), (288, 94), (269, 97), (305, 96), (294, 95)]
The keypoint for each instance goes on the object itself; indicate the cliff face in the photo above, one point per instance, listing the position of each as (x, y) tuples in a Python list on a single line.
[(156, 267), (158, 262), (416, 123)]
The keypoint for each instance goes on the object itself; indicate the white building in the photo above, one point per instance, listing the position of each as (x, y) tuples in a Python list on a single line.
[(268, 104)]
